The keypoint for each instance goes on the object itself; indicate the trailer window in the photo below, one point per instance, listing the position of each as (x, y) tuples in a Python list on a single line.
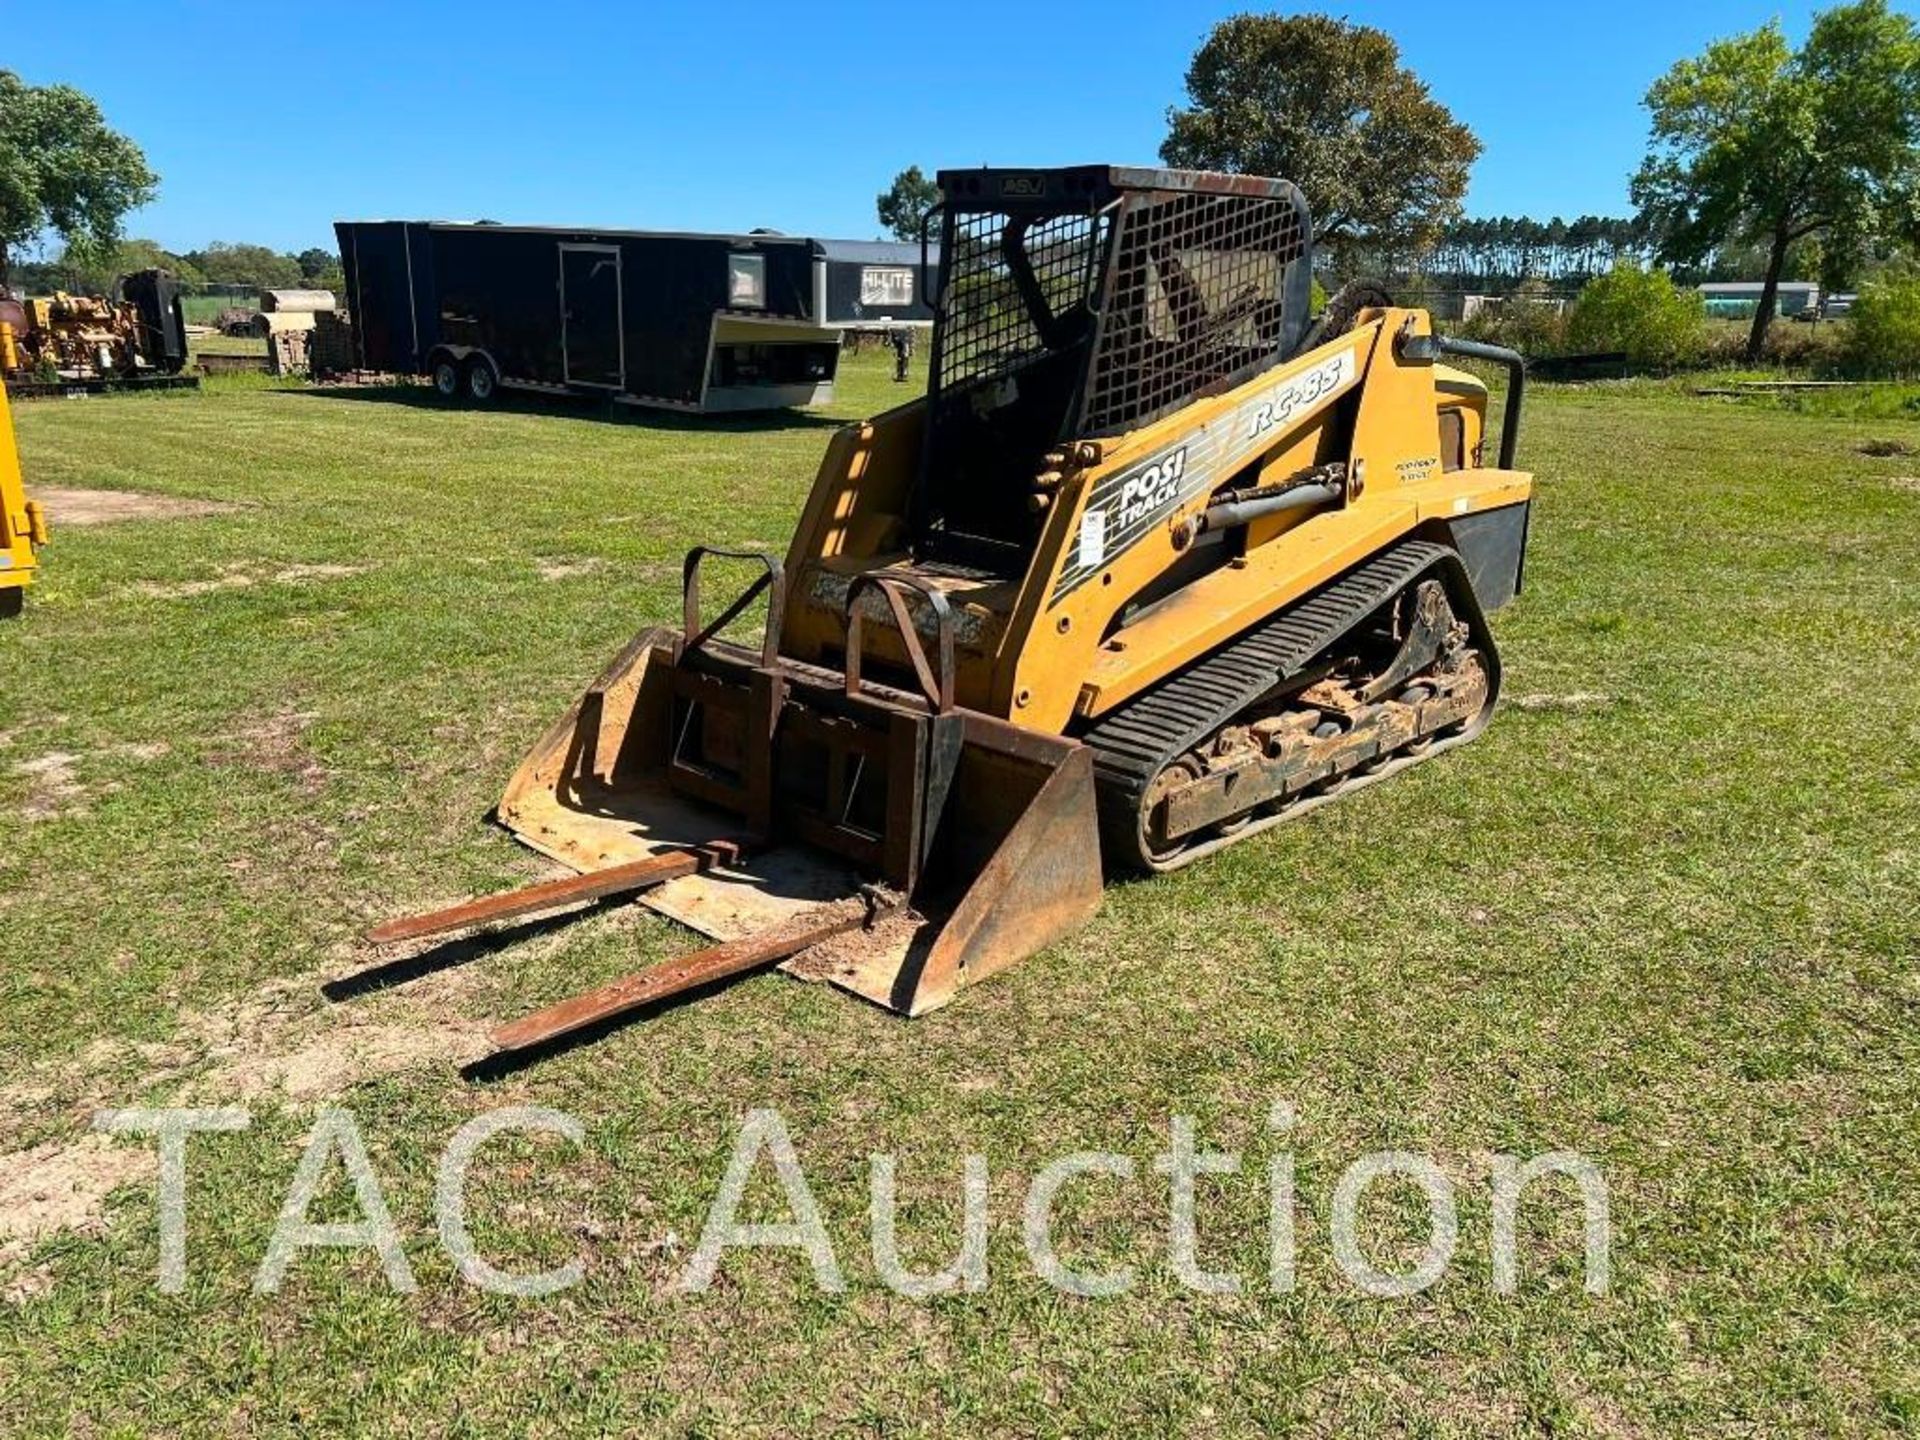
[(747, 282)]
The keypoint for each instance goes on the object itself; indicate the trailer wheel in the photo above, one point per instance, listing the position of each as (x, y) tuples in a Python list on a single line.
[(446, 378), (481, 381)]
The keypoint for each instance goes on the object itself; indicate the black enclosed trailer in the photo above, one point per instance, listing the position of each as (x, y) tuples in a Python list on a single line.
[(689, 322)]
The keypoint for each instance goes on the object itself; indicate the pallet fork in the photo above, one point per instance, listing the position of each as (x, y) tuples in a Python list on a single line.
[(885, 839)]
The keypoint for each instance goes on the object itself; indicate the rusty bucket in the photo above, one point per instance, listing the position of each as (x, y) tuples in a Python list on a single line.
[(796, 787)]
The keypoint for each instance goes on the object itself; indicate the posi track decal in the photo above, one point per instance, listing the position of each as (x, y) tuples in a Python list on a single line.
[(1127, 504)]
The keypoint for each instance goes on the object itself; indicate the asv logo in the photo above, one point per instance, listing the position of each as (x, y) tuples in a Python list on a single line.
[(1300, 394), (1154, 487), (1023, 187)]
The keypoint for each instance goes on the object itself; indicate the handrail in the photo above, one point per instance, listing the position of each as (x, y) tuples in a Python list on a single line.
[(1424, 349), (938, 688), (773, 582)]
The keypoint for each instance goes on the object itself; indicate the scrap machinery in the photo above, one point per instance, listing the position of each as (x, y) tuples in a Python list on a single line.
[(1158, 561), (63, 340)]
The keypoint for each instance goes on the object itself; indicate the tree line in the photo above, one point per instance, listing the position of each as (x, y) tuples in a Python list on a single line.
[(92, 270), (1502, 251), (1762, 158)]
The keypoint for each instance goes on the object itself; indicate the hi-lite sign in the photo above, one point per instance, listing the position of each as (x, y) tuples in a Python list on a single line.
[(886, 286)]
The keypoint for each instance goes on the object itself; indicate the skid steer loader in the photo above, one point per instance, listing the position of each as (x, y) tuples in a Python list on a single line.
[(1156, 563)]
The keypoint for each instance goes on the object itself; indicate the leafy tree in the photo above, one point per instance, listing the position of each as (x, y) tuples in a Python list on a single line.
[(252, 265), (87, 271), (1756, 143), (904, 203), (1885, 338), (63, 169), (1641, 312), (1328, 105), (316, 263)]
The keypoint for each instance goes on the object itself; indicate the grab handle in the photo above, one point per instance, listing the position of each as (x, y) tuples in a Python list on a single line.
[(937, 687), (773, 582)]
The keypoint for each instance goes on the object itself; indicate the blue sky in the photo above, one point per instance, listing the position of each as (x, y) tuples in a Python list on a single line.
[(725, 114)]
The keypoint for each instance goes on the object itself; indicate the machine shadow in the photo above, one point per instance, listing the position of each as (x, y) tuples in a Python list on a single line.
[(461, 950), (581, 407), (503, 1063)]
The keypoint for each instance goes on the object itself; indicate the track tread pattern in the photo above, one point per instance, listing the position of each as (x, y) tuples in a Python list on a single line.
[(1134, 742)]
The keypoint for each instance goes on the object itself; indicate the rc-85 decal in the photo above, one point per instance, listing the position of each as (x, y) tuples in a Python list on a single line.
[(1128, 504)]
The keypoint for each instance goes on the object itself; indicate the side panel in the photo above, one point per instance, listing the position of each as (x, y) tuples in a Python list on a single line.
[(1493, 543), (17, 529), (375, 257), (866, 292), (673, 286), (499, 291), (1074, 648), (676, 284)]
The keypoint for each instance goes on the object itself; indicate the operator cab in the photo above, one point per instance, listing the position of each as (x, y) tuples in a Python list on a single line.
[(1086, 302)]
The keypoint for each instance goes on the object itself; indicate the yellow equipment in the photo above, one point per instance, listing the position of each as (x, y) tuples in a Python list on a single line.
[(1155, 564), (23, 525), (71, 337), (62, 342)]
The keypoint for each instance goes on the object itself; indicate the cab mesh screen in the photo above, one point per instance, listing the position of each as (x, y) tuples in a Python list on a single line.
[(989, 326), (1195, 301)]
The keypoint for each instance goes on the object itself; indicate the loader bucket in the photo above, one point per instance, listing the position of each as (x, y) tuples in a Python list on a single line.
[(987, 831)]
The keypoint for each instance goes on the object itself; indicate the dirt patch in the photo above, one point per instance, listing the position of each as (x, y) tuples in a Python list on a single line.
[(1881, 449), (27, 1285), (276, 745), (1574, 700), (871, 953), (1909, 483), (333, 1063), (242, 577), (53, 789), (562, 569), (284, 1042), (58, 1187), (110, 507), (138, 750)]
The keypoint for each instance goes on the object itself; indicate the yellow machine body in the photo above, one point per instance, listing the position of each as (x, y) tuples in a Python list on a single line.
[(23, 525), (1043, 662)]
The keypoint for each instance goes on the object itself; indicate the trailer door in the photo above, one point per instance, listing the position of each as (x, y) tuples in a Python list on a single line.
[(591, 335)]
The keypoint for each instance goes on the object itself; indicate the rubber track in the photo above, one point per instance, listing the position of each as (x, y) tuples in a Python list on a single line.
[(1140, 737)]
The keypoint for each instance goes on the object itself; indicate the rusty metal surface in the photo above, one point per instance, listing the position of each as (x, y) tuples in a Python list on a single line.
[(937, 687), (995, 824), (555, 894), (1279, 758), (676, 977)]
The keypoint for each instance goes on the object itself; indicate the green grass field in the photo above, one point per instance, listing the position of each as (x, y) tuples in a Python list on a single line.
[(228, 345), (1662, 914)]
